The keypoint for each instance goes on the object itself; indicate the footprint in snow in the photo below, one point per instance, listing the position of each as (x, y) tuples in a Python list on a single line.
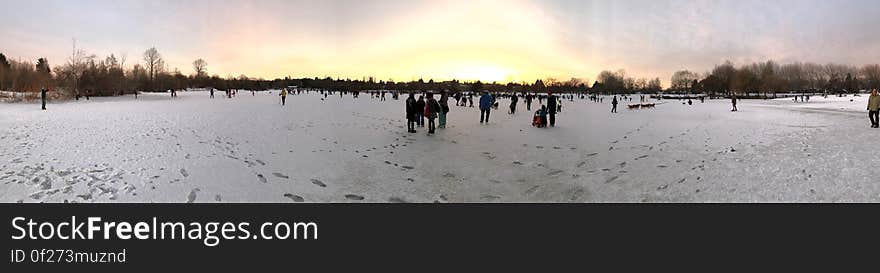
[(662, 166), (295, 198), (592, 154), (319, 183), (532, 190), (488, 197), (192, 195), (576, 194), (609, 180), (262, 178), (395, 199), (517, 163), (354, 197), (554, 172), (280, 175), (184, 173)]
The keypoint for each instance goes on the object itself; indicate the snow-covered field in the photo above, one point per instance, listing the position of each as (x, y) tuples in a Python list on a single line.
[(251, 149)]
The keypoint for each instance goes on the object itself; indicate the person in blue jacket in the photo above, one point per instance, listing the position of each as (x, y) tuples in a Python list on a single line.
[(485, 106)]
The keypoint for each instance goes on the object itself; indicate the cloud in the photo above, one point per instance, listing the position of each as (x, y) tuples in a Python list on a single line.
[(518, 39)]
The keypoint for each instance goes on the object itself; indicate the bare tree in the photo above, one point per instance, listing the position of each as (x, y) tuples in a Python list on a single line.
[(683, 79), (76, 66), (871, 74), (201, 67), (153, 63)]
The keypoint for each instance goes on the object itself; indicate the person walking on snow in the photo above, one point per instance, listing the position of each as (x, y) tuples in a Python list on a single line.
[(411, 110), (874, 109), (485, 106), (444, 108), (420, 114), (733, 101), (43, 96), (552, 108), (529, 98), (614, 104), (513, 100), (283, 96), (432, 108)]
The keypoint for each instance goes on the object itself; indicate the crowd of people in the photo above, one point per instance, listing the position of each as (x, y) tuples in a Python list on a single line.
[(425, 106), (435, 111)]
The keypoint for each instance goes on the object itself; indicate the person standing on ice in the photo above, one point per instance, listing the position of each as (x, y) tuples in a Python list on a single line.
[(513, 101), (485, 106), (874, 109), (420, 114), (444, 108), (552, 107), (43, 96), (529, 98), (733, 101), (432, 108), (411, 110), (283, 96), (614, 104), (212, 93)]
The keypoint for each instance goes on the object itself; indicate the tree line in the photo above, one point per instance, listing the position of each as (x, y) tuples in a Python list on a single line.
[(83, 73), (770, 77)]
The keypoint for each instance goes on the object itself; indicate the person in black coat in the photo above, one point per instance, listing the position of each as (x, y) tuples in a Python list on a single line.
[(431, 111), (614, 105), (420, 111), (513, 101), (43, 97), (529, 98), (551, 108), (411, 113)]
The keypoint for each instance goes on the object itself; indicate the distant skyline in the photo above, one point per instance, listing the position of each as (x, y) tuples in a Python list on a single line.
[(492, 40)]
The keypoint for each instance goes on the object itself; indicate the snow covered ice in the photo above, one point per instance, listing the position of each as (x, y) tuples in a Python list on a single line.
[(251, 149)]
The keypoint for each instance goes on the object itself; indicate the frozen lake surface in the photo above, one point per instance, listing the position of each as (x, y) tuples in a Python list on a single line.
[(251, 149)]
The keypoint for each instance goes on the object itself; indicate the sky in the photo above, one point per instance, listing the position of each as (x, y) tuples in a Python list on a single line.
[(488, 40)]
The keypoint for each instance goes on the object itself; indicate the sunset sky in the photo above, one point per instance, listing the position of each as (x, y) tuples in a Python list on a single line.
[(503, 40)]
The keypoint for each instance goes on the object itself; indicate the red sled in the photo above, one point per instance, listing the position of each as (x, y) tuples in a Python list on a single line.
[(538, 122)]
